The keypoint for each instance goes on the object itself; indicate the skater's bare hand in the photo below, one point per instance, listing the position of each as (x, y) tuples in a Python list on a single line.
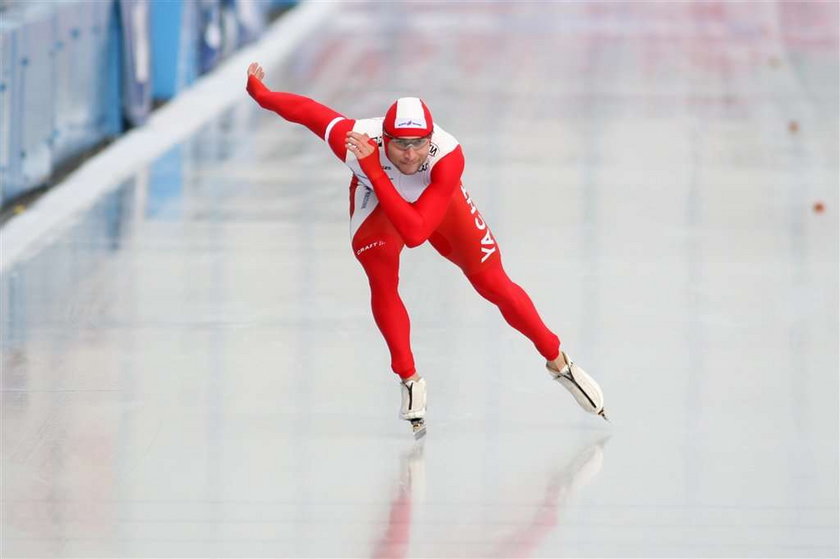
[(254, 69), (360, 145)]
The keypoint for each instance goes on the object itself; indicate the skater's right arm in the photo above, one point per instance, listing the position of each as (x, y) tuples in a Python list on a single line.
[(301, 110)]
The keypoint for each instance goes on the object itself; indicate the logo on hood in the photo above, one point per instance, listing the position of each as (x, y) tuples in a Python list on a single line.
[(410, 124)]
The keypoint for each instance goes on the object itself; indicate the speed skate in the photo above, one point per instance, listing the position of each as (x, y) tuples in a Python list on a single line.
[(413, 408), (418, 427), (585, 390)]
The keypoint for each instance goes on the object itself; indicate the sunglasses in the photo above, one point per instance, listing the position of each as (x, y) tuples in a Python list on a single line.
[(405, 143)]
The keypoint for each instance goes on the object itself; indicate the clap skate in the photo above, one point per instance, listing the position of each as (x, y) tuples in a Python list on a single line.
[(413, 407), (583, 387)]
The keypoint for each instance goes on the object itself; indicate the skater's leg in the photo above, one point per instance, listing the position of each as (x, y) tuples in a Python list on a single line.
[(516, 307), (377, 247), (494, 285), (465, 239)]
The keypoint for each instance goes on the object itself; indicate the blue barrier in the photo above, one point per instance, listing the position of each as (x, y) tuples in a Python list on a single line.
[(10, 126), (210, 34), (73, 73), (191, 37), (37, 96), (28, 34), (175, 47), (133, 41), (86, 84)]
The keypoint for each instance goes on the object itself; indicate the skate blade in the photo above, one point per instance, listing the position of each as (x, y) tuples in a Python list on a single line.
[(419, 428)]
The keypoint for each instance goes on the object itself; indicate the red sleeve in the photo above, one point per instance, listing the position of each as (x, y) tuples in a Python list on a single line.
[(305, 111), (416, 221)]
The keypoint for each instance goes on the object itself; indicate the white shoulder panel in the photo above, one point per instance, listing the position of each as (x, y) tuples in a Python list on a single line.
[(370, 126)]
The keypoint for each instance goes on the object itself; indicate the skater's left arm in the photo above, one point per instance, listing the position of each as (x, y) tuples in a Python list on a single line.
[(416, 221)]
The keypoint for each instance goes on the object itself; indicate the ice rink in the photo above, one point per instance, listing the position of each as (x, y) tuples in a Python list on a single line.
[(190, 366)]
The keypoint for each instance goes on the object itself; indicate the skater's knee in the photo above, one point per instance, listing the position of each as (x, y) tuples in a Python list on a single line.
[(492, 284), (384, 284), (382, 272)]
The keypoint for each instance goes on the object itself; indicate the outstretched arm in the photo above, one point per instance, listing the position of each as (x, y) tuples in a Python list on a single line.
[(299, 109), (416, 221)]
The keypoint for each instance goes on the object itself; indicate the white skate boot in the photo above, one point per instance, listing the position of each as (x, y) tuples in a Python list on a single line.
[(413, 407), (583, 387)]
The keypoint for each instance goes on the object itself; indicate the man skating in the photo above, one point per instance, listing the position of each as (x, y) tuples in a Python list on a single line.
[(405, 190)]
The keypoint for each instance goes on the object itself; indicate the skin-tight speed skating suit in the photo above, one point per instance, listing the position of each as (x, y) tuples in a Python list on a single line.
[(390, 210)]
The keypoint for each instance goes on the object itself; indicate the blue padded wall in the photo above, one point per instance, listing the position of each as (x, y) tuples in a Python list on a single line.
[(74, 72), (59, 88), (32, 93), (175, 47), (85, 81), (135, 39), (10, 117)]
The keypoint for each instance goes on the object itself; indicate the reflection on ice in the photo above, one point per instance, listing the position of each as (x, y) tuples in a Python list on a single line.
[(522, 536)]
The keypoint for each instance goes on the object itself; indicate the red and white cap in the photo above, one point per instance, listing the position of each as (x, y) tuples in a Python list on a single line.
[(408, 116)]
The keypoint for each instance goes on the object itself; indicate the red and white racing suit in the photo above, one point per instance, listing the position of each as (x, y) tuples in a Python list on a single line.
[(389, 210)]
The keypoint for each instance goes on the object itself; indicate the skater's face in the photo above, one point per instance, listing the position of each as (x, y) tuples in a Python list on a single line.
[(408, 154)]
